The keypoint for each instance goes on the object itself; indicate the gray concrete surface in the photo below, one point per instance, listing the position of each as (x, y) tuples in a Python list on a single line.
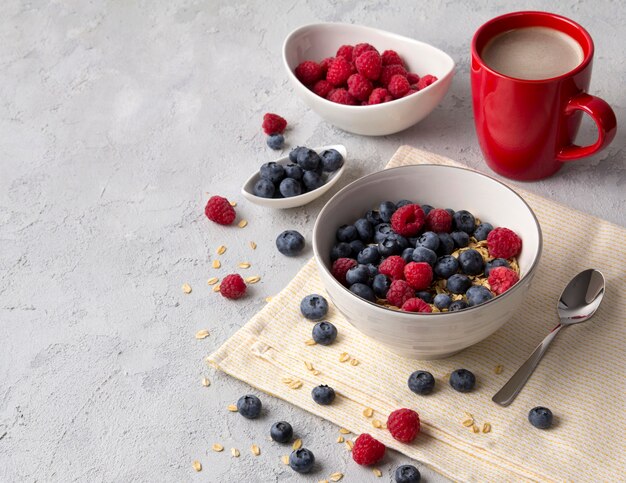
[(116, 119)]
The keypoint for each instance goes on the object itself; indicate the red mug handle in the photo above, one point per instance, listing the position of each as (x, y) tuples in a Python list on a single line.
[(604, 118)]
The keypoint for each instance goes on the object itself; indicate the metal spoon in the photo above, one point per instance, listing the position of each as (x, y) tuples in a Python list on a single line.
[(579, 301)]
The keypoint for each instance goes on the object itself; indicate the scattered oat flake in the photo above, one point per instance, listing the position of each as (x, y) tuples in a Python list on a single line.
[(197, 465), (186, 288), (308, 365), (475, 429), (336, 476), (242, 224), (285, 459), (377, 424), (344, 431), (254, 279), (232, 408), (354, 362), (323, 481), (344, 357), (253, 245), (233, 203), (287, 380), (377, 472), (217, 288), (217, 447), (212, 281), (244, 265), (349, 444), (316, 372), (499, 368), (221, 250), (295, 385), (310, 342), (206, 382), (486, 427), (268, 299), (467, 422), (202, 334), (368, 412), (340, 439), (256, 451), (217, 264), (297, 444), (235, 452)]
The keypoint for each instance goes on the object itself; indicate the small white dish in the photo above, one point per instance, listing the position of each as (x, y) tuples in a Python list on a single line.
[(247, 189)]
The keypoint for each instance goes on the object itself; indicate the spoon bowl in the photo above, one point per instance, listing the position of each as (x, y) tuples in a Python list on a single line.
[(247, 189), (581, 298)]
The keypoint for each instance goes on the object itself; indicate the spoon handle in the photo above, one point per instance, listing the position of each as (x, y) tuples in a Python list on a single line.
[(511, 389)]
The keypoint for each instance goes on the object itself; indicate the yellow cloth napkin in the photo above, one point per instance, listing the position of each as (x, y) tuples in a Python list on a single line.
[(582, 378)]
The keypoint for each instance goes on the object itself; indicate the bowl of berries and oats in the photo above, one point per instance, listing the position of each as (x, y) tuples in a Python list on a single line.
[(364, 80), (428, 259)]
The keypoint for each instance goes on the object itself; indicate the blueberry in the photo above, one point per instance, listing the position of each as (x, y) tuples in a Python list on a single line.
[(249, 406), (428, 239), (308, 159), (461, 239), (471, 262), (381, 231), (290, 243), (373, 269), (358, 274), (264, 188), (413, 241), (381, 285), (356, 246), (312, 180), (365, 229), (427, 209), (540, 417), (464, 221), (302, 460), (363, 291), (407, 474), (457, 305), (314, 307), (290, 187), (496, 262), (442, 301), (272, 171), (387, 209), (402, 203), (425, 295), (451, 212), (324, 333), (373, 216), (446, 244), (276, 141), (347, 233), (323, 395), (407, 254), (392, 244), (446, 266), (458, 283), (477, 294), (462, 380), (294, 171), (482, 230), (423, 254), (281, 432), (421, 382), (332, 160), (368, 255), (293, 154), (340, 250)]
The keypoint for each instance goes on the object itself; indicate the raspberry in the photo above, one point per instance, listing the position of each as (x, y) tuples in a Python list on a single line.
[(341, 96), (418, 275), (416, 304), (426, 81), (408, 220), (338, 71), (233, 286), (412, 78), (345, 51), (388, 98), (367, 450), (359, 87), (218, 209), (325, 64), (388, 71), (409, 92), (501, 279), (273, 124), (404, 425), (361, 49), (393, 267), (391, 57), (341, 267), (399, 292), (322, 88), (369, 64), (398, 86), (308, 72), (503, 243), (378, 96), (439, 221)]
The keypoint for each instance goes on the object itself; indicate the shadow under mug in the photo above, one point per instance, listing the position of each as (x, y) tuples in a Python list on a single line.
[(526, 128)]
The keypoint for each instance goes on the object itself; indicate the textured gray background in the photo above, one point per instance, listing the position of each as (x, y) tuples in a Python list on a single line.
[(116, 119)]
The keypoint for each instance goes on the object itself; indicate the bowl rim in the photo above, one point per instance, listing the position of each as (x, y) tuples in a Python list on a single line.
[(384, 105), (385, 310)]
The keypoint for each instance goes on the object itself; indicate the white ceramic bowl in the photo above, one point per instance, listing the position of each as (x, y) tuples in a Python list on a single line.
[(436, 335), (247, 190), (318, 41)]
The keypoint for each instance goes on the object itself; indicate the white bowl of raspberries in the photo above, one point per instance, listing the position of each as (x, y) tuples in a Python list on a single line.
[(364, 80), (427, 260)]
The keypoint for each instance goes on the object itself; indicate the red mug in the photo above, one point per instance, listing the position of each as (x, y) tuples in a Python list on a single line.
[(526, 128)]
